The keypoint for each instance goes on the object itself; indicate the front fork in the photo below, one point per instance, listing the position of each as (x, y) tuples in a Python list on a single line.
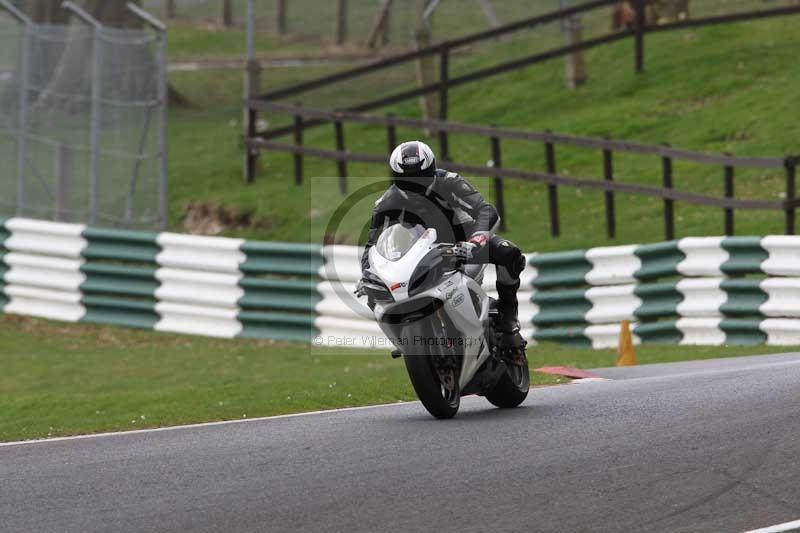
[(446, 362)]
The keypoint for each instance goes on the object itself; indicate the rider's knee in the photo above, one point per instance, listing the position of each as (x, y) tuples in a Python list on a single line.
[(507, 254)]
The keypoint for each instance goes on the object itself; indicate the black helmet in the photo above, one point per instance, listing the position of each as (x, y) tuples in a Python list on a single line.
[(413, 159)]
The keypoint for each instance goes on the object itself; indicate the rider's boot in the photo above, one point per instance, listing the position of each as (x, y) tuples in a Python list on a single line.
[(507, 322), (508, 308)]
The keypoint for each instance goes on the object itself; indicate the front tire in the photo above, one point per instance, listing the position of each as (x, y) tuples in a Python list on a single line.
[(511, 389), (440, 400), (429, 388)]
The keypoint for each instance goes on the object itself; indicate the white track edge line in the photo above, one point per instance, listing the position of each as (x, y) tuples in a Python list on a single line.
[(201, 424), (778, 528)]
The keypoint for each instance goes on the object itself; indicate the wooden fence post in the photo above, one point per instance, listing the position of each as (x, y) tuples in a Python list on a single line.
[(499, 201), (341, 164), (639, 29), (444, 77), (298, 142), (729, 174), (552, 189), (669, 208), (391, 134), (251, 153), (252, 86), (170, 9), (608, 174), (791, 174), (341, 21)]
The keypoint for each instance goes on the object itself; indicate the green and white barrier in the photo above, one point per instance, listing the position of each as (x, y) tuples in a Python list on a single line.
[(698, 290), (689, 291), (168, 282)]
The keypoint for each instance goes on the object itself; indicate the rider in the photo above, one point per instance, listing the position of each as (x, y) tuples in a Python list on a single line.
[(446, 202)]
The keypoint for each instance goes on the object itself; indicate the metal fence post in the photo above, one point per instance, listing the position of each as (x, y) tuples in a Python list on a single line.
[(22, 117), (95, 107), (608, 175), (669, 208), (552, 189), (791, 174), (729, 174), (22, 113), (499, 200), (95, 127), (163, 100)]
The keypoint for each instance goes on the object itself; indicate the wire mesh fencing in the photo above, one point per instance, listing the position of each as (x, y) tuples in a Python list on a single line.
[(83, 123)]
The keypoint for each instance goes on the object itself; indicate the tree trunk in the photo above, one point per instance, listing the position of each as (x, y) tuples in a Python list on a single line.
[(226, 13), (46, 12)]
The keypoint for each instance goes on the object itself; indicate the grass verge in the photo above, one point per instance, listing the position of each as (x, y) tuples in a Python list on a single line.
[(65, 379)]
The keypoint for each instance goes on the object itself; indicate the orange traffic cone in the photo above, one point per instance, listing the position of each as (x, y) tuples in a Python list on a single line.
[(625, 353)]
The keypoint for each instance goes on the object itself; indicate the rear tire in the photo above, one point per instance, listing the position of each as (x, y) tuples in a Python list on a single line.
[(512, 389)]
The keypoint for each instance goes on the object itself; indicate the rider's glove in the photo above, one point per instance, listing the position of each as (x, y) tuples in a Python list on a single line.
[(359, 292), (480, 238)]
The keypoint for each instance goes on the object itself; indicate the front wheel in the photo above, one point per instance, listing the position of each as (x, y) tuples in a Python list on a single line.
[(440, 399), (433, 370), (511, 389)]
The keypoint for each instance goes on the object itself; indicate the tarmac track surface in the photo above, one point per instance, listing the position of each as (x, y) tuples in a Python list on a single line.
[(709, 446)]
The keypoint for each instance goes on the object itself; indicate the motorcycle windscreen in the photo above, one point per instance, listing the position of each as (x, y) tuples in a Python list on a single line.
[(395, 241)]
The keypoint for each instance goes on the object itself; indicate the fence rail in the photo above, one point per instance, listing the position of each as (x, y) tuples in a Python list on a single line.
[(444, 50), (608, 147)]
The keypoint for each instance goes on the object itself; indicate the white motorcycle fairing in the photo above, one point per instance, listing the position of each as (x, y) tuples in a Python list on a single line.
[(455, 290)]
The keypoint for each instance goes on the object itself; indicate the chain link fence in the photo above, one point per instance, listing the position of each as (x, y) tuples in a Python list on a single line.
[(83, 122)]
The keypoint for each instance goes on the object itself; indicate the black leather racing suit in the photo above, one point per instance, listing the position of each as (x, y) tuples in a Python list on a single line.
[(456, 210)]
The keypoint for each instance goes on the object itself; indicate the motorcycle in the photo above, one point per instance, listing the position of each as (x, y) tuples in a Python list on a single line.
[(429, 302)]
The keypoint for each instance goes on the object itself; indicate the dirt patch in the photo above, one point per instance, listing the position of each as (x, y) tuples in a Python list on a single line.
[(208, 218)]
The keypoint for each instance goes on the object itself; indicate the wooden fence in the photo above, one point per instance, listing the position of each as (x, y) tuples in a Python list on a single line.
[(444, 49), (549, 141)]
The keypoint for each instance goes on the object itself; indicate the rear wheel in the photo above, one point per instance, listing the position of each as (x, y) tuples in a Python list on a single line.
[(512, 389), (434, 374)]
